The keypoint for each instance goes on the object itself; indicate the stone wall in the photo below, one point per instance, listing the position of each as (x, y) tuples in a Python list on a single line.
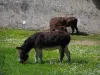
[(36, 14)]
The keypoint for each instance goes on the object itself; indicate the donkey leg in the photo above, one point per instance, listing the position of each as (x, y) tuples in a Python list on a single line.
[(67, 53), (76, 30), (61, 51), (72, 30), (38, 55)]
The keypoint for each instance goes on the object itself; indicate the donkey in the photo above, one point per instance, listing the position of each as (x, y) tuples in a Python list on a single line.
[(57, 22), (40, 40)]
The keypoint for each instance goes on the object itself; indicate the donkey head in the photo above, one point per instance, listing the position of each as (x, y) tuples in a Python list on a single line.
[(23, 56)]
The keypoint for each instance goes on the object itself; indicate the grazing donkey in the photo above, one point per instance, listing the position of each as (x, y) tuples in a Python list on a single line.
[(57, 22), (41, 40)]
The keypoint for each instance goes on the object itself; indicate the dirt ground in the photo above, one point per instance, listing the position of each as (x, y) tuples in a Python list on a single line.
[(85, 42)]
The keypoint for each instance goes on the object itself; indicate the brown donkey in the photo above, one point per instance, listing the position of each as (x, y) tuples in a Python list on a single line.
[(57, 22)]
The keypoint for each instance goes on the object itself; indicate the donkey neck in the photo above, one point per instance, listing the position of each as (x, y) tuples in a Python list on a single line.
[(26, 47)]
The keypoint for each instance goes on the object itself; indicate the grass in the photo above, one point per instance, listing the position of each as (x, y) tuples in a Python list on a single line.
[(85, 57)]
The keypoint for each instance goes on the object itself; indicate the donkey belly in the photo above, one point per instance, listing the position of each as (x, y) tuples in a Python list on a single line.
[(52, 48)]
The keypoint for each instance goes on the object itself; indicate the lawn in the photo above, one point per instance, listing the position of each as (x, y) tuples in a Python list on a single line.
[(85, 55)]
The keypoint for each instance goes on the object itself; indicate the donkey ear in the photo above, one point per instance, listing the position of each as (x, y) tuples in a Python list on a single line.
[(18, 47)]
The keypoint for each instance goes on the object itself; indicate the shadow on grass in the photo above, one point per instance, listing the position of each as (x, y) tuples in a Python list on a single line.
[(56, 61), (80, 62), (2, 73), (81, 33), (73, 61)]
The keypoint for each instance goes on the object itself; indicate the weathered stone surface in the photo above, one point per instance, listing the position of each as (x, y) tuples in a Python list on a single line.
[(36, 14)]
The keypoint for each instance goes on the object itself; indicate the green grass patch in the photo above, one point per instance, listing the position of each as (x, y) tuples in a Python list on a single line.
[(85, 57)]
